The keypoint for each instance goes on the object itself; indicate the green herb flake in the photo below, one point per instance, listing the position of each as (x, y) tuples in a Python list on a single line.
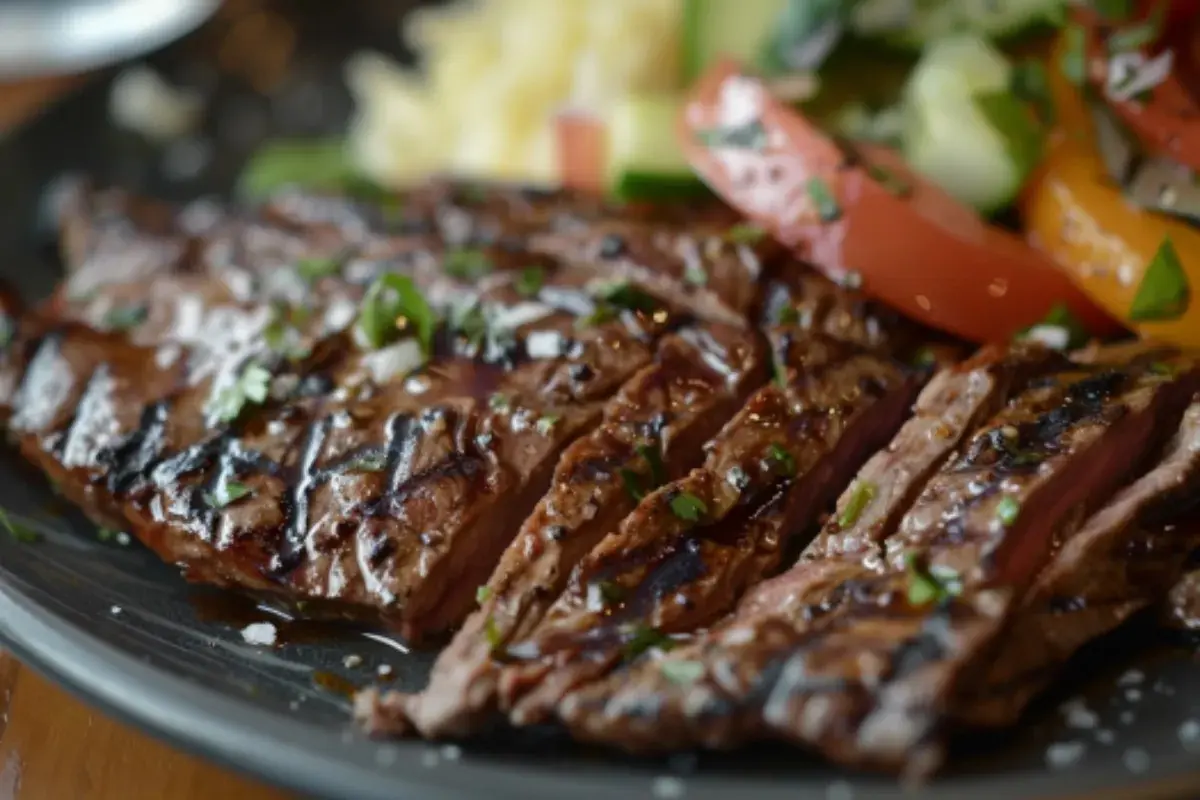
[(228, 493), (781, 374), (123, 318), (106, 534), (1164, 293), (653, 458), (632, 483), (8, 330), (491, 632), (745, 233), (694, 275), (823, 200), (787, 464), (465, 263), (1073, 62), (394, 304), (482, 593), (1007, 510), (1060, 318), (1136, 37), (1031, 83), (251, 387), (371, 461), (1164, 368), (643, 638), (889, 180), (314, 269), (860, 498), (683, 673), (748, 136), (610, 592), (602, 314), (788, 315), (499, 403), (688, 507), (623, 294), (1011, 118), (546, 423), (529, 281), (924, 358), (18, 530), (927, 584)]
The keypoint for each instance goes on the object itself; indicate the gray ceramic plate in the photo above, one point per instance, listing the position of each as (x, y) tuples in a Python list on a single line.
[(124, 632)]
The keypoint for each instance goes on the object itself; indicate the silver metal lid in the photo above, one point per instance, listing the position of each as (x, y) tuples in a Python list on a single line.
[(43, 37)]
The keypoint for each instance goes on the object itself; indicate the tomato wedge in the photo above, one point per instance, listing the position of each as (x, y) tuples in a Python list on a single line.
[(1165, 117), (865, 216)]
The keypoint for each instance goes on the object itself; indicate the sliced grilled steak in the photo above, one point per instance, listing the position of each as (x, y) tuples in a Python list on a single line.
[(354, 481), (647, 708), (865, 680), (689, 550), (1123, 560), (653, 432)]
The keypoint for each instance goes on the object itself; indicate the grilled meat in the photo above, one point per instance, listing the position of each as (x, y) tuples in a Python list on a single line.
[(954, 403), (689, 550), (146, 397), (864, 673), (1123, 560)]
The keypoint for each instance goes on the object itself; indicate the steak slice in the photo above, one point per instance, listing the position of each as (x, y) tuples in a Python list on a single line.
[(356, 482), (653, 431), (1122, 561), (646, 708), (864, 675), (689, 550)]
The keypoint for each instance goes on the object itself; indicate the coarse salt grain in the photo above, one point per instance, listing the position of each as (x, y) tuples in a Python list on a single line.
[(1061, 755), (1136, 760), (668, 787), (1105, 736), (259, 633), (1189, 734), (351, 661), (1080, 716), (1131, 678)]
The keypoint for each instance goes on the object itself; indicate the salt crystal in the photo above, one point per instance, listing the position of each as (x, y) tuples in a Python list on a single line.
[(668, 787), (115, 610), (1189, 734), (1131, 678), (1080, 716), (1136, 760), (259, 633), (1105, 736), (351, 661), (1133, 695), (123, 539), (384, 670), (1061, 755), (451, 752), (1126, 717)]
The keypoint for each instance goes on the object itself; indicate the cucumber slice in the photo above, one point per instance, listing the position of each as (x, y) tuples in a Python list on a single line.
[(963, 127), (715, 28), (644, 160), (913, 23)]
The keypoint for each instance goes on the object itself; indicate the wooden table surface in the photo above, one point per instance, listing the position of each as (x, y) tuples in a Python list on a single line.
[(53, 747)]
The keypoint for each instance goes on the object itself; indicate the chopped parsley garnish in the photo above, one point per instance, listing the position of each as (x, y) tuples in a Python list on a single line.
[(529, 281), (482, 594), (282, 334), (658, 471), (465, 263), (1163, 368), (394, 304), (860, 498), (923, 358), (788, 315), (633, 484), (745, 233), (1031, 83), (608, 593), (928, 584), (227, 493), (695, 275), (1010, 117), (623, 294), (643, 638), (1059, 323), (1073, 62), (123, 318), (688, 507), (546, 423), (603, 313), (1143, 34), (1164, 293), (787, 464), (823, 200), (889, 180), (781, 374), (1007, 510), (251, 387), (499, 403), (17, 530), (472, 324), (106, 534), (312, 270), (748, 136), (684, 673), (491, 632)]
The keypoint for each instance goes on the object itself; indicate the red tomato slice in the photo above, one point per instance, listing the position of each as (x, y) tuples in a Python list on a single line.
[(918, 249), (1166, 118)]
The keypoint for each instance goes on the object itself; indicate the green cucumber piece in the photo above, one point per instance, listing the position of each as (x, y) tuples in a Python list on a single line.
[(644, 158), (915, 23), (964, 129), (716, 28)]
